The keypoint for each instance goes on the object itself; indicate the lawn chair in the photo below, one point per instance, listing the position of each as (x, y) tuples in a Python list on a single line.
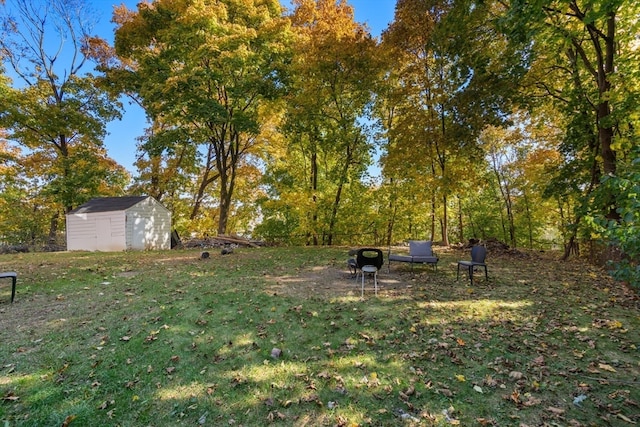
[(478, 256), (352, 264), (369, 261), (14, 278), (420, 252)]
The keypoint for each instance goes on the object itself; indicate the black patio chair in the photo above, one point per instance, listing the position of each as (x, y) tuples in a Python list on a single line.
[(478, 256), (369, 261)]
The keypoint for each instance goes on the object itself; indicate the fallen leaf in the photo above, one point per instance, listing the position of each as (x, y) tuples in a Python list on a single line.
[(606, 367), (623, 418), (10, 397), (532, 401), (515, 375), (446, 392), (68, 420), (556, 411), (614, 324)]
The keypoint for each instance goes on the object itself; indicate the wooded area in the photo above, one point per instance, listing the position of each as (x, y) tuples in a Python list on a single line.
[(465, 119)]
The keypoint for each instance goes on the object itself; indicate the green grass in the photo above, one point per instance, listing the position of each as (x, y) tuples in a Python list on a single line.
[(162, 339)]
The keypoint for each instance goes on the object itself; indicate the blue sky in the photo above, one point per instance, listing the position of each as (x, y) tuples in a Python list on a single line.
[(121, 140)]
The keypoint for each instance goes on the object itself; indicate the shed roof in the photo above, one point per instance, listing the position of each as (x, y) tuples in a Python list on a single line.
[(108, 204)]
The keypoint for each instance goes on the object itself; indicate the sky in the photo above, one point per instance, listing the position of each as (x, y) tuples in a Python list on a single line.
[(121, 139)]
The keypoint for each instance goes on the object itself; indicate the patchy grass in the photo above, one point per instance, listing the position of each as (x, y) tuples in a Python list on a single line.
[(155, 339)]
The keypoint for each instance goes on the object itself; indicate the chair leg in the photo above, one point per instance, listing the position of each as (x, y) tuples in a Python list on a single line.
[(362, 287), (375, 282), (13, 288), (458, 274), (471, 275)]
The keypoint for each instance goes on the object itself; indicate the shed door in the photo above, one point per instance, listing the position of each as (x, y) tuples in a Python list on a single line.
[(139, 233), (103, 234)]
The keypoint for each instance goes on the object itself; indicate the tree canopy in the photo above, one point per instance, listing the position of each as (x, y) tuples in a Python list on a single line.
[(465, 119)]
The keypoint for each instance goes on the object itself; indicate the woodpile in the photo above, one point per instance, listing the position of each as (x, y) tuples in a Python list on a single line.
[(13, 249), (221, 242), (494, 247)]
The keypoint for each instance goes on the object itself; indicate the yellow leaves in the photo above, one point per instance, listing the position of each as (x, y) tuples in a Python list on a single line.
[(460, 378), (614, 324)]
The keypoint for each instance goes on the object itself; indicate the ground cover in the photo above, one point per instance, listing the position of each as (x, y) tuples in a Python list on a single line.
[(281, 336)]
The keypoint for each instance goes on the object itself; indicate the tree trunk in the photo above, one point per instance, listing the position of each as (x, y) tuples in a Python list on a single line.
[(460, 224), (53, 228), (445, 228), (432, 233), (529, 221), (336, 201), (205, 181), (314, 190), (223, 211)]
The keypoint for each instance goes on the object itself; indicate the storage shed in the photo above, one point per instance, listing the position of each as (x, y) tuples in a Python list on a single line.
[(118, 224)]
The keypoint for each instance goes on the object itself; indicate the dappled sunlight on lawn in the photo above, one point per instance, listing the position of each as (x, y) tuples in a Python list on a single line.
[(287, 279), (194, 389), (476, 310)]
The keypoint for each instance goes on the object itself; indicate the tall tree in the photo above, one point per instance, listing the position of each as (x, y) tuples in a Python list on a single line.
[(201, 70), (57, 111), (427, 133), (583, 54), (333, 72)]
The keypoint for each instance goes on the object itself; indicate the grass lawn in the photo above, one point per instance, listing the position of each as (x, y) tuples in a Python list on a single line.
[(281, 336)]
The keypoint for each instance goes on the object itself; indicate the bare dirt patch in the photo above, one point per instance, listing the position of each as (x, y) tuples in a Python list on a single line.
[(335, 281)]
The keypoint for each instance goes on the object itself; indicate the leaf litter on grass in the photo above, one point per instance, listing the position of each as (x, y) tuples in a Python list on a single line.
[(534, 338)]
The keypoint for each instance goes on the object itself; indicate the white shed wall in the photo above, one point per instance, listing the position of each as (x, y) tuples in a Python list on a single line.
[(104, 231), (148, 226)]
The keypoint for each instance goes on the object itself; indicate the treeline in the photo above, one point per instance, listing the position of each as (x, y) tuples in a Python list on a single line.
[(465, 119)]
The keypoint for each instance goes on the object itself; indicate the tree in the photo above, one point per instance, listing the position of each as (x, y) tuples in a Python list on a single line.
[(333, 72), (59, 112), (582, 53), (433, 129), (201, 70)]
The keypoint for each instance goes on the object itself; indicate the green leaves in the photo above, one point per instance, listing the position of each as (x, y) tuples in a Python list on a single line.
[(204, 72)]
